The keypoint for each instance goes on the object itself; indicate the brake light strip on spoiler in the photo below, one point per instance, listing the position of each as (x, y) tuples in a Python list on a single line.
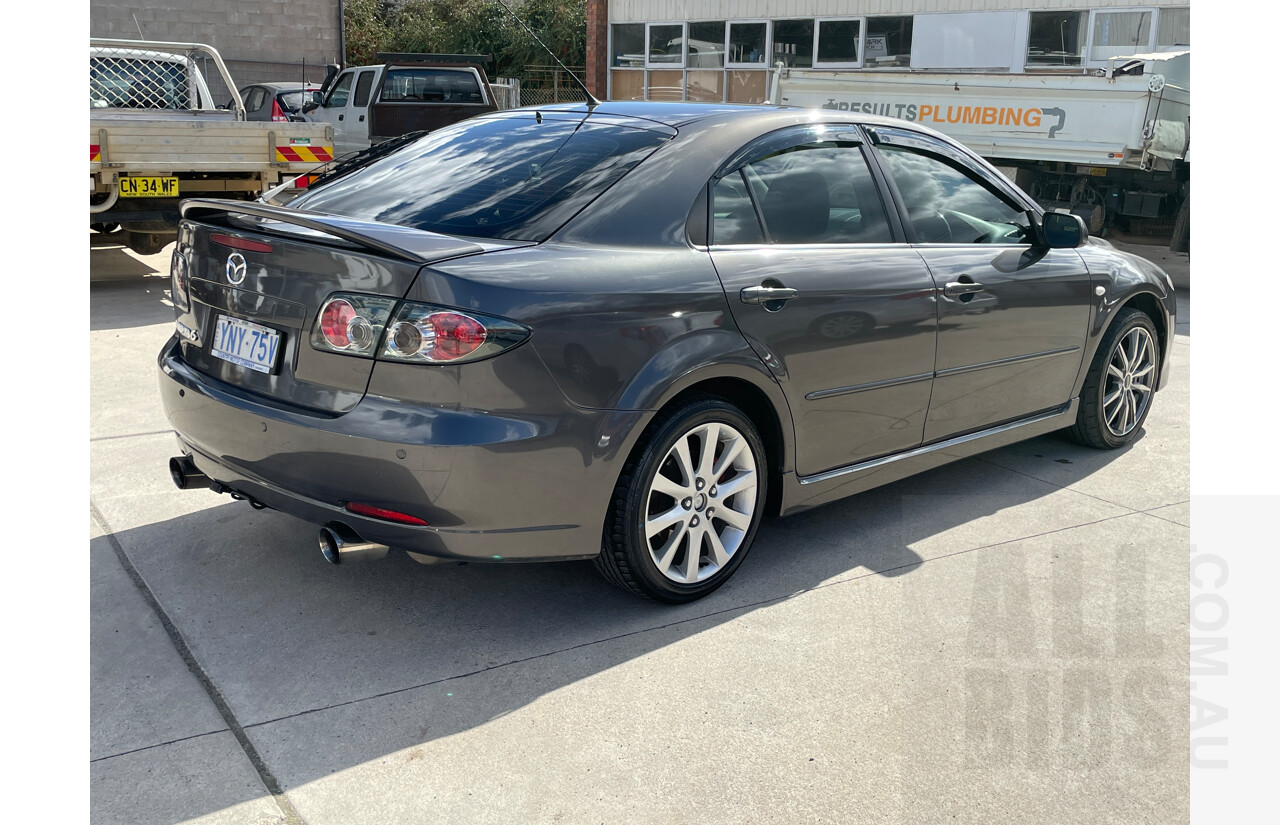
[(400, 242)]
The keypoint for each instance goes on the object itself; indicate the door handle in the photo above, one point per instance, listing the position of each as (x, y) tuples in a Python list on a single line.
[(341, 116), (956, 289), (766, 294), (362, 118)]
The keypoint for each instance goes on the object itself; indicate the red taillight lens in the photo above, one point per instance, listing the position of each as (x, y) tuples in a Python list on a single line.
[(456, 335), (277, 113), (420, 333), (383, 513), (350, 323), (240, 243), (334, 322)]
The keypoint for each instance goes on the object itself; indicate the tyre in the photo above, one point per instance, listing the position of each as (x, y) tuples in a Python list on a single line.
[(687, 505), (1117, 391)]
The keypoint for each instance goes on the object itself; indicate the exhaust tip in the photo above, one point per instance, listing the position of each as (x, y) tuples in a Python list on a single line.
[(184, 473), (339, 542), (330, 546)]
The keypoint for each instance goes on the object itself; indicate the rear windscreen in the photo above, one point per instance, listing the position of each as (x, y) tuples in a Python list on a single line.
[(512, 178), (432, 85)]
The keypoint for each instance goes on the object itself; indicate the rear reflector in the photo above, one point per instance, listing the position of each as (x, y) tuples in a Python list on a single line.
[(385, 515), (240, 243)]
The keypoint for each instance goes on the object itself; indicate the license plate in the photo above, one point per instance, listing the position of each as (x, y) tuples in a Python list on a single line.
[(148, 187), (245, 343)]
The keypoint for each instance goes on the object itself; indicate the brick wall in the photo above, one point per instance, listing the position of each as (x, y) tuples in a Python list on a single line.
[(597, 79), (260, 40)]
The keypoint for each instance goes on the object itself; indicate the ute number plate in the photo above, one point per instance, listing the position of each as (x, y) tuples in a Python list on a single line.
[(245, 343), (148, 187)]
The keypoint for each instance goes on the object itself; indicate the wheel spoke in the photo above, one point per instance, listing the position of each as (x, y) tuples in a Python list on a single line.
[(1115, 372), (1144, 371), (664, 485), (731, 451), (1112, 410), (733, 517), (742, 482), (680, 452), (663, 556), (1142, 388), (657, 523), (710, 437), (1123, 356), (718, 554), (693, 555)]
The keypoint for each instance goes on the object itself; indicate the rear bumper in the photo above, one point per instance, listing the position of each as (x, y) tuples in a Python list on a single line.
[(492, 487)]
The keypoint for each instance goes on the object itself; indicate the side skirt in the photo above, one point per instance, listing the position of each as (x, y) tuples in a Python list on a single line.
[(800, 493)]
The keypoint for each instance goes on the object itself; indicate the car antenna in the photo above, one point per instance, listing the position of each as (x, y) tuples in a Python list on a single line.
[(592, 102)]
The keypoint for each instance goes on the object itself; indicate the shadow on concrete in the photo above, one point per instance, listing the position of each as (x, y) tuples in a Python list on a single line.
[(330, 667)]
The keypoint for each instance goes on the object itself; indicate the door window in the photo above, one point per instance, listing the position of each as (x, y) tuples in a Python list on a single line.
[(341, 91), (362, 89), (257, 96), (819, 192), (946, 203)]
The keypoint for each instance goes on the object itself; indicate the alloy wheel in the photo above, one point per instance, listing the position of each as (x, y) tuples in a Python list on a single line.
[(1129, 380)]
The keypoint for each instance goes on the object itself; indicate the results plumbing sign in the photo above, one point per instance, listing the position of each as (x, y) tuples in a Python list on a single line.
[(1046, 121)]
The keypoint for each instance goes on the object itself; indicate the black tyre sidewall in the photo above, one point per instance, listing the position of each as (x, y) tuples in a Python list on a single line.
[(632, 502)]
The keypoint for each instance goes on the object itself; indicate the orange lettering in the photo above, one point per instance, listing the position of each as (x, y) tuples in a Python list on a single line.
[(925, 110), (1031, 117), (988, 115)]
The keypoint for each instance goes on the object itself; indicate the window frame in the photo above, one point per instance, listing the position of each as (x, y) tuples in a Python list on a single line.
[(763, 63), (792, 136), (684, 48), (724, 45), (866, 25), (1156, 25), (1150, 47), (861, 47), (1085, 16), (946, 153)]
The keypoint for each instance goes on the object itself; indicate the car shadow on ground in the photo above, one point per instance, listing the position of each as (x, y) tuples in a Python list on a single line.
[(330, 667)]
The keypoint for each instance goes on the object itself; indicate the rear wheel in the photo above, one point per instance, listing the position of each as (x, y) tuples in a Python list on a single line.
[(688, 503), (1117, 391)]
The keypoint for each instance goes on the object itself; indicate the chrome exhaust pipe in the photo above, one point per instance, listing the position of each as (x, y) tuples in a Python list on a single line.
[(339, 543), (185, 475)]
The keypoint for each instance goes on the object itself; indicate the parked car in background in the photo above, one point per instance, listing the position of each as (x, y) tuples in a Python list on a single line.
[(409, 93), (279, 102), (628, 331)]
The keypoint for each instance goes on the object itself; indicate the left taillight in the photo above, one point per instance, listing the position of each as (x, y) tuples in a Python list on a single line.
[(179, 277), (410, 332), (277, 113)]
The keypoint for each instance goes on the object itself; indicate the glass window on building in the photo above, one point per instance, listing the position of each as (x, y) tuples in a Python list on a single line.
[(888, 42), (1056, 38), (706, 45), (1119, 33), (666, 44), (628, 45), (747, 44), (839, 42), (793, 43), (1174, 29)]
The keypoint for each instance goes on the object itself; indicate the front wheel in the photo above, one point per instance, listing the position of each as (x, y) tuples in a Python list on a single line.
[(687, 505), (1117, 391)]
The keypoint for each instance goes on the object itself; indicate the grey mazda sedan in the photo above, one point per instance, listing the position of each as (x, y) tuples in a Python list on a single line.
[(627, 332)]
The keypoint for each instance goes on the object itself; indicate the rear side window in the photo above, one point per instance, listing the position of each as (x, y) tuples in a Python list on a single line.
[(512, 177), (431, 85), (819, 192)]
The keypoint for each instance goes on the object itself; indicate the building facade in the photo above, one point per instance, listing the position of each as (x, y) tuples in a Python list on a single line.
[(723, 50), (260, 40)]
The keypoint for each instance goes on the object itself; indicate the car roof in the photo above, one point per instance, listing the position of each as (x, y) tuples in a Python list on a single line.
[(684, 113), (277, 86)]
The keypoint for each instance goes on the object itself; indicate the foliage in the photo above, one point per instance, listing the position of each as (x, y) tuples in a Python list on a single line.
[(468, 27)]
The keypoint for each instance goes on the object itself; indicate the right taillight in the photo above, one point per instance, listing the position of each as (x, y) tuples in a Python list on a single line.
[(410, 332), (277, 113)]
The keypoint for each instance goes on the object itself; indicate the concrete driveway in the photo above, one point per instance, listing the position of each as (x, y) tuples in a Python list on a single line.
[(1000, 640)]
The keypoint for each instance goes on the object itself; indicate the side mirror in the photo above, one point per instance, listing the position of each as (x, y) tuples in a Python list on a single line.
[(1063, 230)]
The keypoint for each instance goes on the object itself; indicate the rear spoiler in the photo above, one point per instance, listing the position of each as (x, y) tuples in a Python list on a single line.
[(416, 246)]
